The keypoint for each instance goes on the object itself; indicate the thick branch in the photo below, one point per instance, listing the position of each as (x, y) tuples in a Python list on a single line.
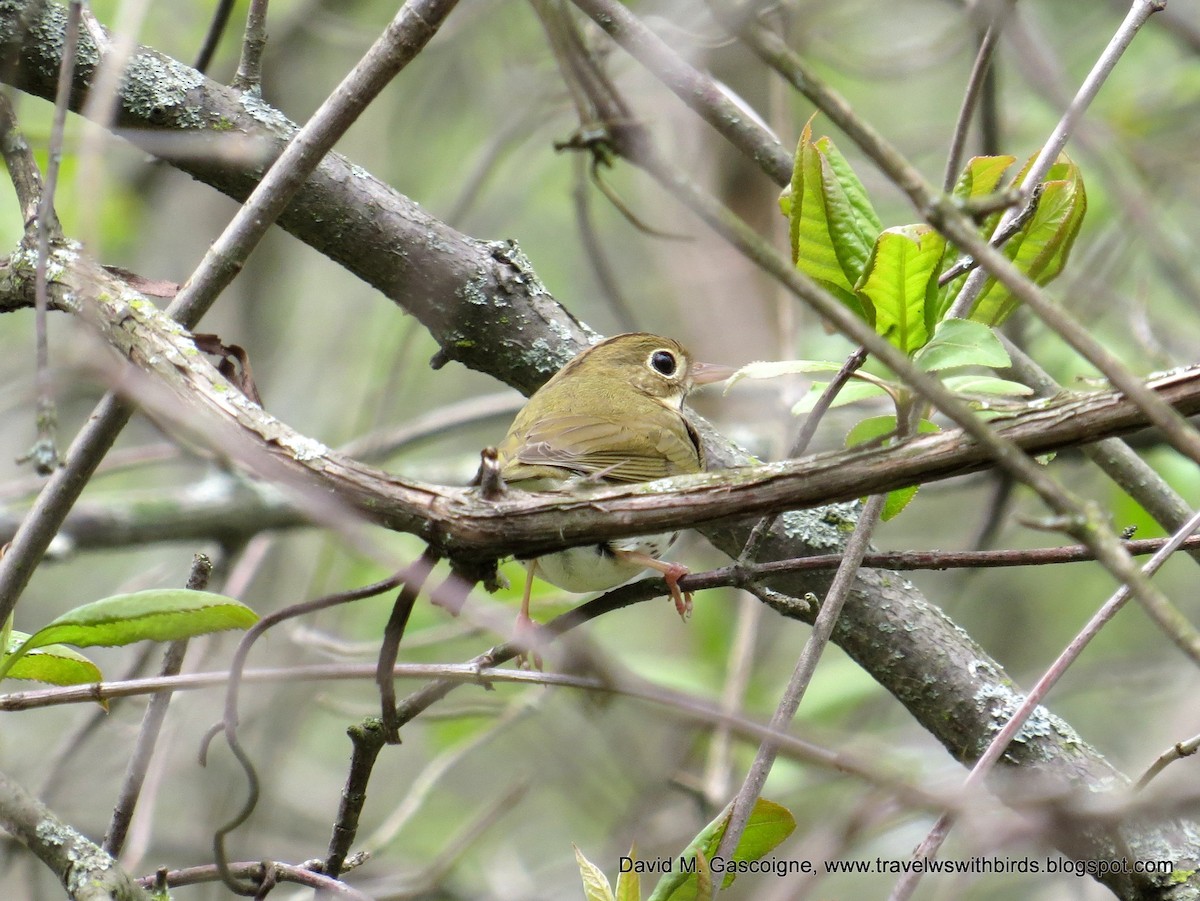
[(460, 523), (440, 275), (460, 289), (86, 872)]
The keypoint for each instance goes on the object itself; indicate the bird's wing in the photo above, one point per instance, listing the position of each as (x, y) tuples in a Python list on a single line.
[(591, 445)]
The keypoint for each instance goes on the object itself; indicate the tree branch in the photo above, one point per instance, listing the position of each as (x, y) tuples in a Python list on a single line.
[(86, 872)]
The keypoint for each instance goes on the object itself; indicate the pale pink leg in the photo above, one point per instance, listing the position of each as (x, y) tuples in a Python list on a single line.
[(525, 631), (672, 573)]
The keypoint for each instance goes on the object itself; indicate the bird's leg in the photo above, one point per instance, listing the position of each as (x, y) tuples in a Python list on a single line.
[(525, 631), (672, 573)]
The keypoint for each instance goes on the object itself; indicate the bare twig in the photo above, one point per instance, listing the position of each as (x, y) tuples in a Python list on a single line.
[(254, 44), (229, 722), (1177, 751), (1000, 742), (854, 362), (695, 89), (1139, 12), (806, 665), (392, 634), (256, 872), (152, 721), (22, 168), (44, 453), (403, 39), (975, 83), (212, 37)]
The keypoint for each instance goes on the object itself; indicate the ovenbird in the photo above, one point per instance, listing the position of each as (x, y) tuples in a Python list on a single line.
[(612, 414)]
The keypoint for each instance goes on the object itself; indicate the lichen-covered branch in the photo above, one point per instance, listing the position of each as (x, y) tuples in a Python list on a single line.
[(459, 523), (438, 274), (86, 872)]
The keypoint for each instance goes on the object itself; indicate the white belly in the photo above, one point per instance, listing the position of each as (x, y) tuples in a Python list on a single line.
[(594, 568)]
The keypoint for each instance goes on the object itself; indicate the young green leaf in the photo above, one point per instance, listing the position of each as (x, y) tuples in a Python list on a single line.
[(873, 428), (1040, 249), (981, 176), (986, 384), (883, 427), (629, 886), (896, 500), (595, 883), (160, 614), (899, 284), (831, 222), (853, 391), (53, 664), (769, 824), (773, 369), (961, 342)]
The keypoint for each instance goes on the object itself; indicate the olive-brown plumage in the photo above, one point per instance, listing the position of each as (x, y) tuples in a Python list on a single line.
[(614, 413)]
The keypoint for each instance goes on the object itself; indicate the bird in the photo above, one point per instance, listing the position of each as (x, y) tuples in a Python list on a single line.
[(613, 414)]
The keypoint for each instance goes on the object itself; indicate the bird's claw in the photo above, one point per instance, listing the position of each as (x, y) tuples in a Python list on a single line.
[(525, 637), (682, 599)]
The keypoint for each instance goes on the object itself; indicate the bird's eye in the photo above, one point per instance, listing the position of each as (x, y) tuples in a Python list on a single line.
[(664, 362)]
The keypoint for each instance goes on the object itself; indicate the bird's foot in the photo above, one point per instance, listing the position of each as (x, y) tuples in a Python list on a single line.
[(525, 637), (683, 599)]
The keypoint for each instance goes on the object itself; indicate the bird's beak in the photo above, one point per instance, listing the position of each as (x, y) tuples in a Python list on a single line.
[(707, 373)]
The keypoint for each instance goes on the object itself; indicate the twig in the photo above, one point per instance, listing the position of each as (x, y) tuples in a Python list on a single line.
[(254, 870), (1116, 459), (44, 453), (152, 721), (975, 83), (1139, 12), (22, 168), (212, 37), (229, 723), (822, 630), (254, 43), (435, 771), (1177, 751), (595, 253), (1000, 741), (393, 632), (695, 89), (405, 36), (854, 362)]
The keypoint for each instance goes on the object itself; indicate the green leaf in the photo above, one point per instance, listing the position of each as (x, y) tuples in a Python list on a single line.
[(854, 224), (896, 501), (159, 614), (595, 883), (986, 384), (53, 664), (629, 887), (883, 427), (831, 222), (981, 176), (899, 284), (1040, 249), (853, 391), (874, 428), (961, 342), (769, 824), (773, 369)]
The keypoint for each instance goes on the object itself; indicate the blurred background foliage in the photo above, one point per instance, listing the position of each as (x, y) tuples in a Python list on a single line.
[(468, 131)]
